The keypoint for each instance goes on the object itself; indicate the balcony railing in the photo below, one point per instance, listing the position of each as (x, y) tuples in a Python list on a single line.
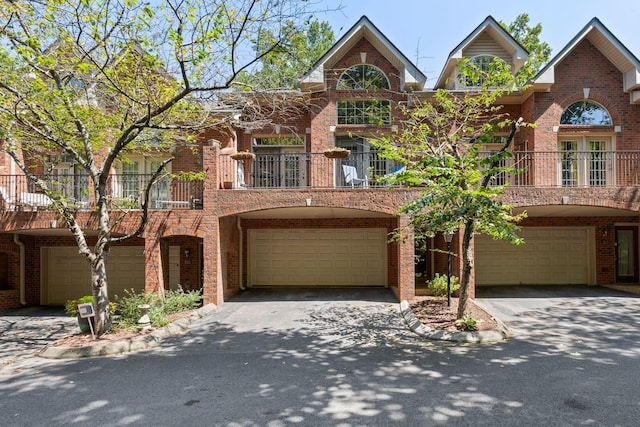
[(301, 170), (360, 170), (125, 191)]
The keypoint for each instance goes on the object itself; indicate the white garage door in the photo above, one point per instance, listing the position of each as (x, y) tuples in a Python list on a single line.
[(66, 274), (318, 257), (549, 256)]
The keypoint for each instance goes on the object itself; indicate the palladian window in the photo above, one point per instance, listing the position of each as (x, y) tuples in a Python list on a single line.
[(363, 111)]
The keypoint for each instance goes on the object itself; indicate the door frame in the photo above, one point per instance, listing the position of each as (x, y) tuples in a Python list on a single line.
[(634, 278)]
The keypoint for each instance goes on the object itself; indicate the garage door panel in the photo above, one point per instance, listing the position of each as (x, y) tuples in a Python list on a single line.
[(310, 257), (548, 256), (68, 275)]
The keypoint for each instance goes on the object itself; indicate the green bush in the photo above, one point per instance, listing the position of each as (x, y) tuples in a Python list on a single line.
[(467, 323), (438, 285), (173, 302)]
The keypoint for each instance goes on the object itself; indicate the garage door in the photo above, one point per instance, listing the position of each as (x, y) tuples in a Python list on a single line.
[(549, 256), (318, 257), (66, 274)]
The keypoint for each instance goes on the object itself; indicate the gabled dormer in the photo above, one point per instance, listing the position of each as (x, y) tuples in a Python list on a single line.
[(411, 79), (487, 42), (610, 47)]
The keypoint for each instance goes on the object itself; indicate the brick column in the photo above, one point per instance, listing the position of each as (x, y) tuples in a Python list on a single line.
[(406, 264), (153, 270), (212, 286)]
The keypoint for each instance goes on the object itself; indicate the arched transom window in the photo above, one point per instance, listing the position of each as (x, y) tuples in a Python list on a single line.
[(587, 113), (363, 77)]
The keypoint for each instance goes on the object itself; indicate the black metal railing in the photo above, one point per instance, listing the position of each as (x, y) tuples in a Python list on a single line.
[(125, 191)]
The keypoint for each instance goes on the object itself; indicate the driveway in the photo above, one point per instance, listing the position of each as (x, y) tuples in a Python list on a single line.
[(344, 358)]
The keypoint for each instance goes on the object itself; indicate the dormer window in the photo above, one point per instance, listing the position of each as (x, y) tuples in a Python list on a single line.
[(480, 69), (586, 113), (363, 77)]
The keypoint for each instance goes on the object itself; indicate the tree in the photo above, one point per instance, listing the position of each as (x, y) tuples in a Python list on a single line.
[(441, 143), (282, 67), (529, 38), (91, 81)]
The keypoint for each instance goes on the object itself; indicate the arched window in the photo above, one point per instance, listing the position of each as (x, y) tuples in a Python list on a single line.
[(587, 113), (363, 77), (356, 111)]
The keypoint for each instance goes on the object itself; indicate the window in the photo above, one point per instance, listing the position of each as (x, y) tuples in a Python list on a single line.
[(479, 70), (586, 161), (133, 178), (364, 112), (279, 141), (362, 77), (585, 112)]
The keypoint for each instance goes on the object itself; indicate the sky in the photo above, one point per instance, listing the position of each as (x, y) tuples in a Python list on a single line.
[(426, 31)]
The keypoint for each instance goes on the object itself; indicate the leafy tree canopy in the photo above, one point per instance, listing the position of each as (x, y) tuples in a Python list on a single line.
[(300, 48), (529, 37)]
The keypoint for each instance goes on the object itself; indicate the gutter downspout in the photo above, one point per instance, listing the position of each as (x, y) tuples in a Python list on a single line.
[(239, 226), (16, 240)]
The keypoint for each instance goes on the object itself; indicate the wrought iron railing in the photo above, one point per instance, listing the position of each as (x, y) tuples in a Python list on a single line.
[(125, 191), (360, 170)]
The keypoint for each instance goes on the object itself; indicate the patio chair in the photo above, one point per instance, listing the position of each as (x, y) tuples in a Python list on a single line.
[(351, 177)]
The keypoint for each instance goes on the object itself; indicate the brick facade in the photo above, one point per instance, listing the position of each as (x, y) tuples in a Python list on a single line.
[(213, 240)]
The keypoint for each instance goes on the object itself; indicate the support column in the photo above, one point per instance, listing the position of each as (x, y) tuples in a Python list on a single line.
[(153, 270), (406, 262), (212, 287)]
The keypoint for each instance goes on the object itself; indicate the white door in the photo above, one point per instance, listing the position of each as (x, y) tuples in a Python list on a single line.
[(550, 255), (66, 275), (318, 257)]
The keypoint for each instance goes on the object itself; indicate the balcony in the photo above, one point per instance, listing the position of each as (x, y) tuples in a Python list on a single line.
[(306, 170), (18, 193), (534, 169)]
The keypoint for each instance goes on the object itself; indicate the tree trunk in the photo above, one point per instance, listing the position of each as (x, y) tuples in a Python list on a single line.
[(100, 295), (467, 268)]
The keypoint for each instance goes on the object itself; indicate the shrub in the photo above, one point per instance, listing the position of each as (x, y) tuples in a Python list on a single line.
[(438, 285), (173, 302), (467, 323)]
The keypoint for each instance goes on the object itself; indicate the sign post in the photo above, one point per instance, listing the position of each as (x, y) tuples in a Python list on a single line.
[(86, 312)]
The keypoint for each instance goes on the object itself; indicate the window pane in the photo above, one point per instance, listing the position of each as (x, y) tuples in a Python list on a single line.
[(569, 163), (585, 113), (361, 112), (362, 77)]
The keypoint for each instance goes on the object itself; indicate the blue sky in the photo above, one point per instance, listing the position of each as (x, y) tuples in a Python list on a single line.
[(427, 31)]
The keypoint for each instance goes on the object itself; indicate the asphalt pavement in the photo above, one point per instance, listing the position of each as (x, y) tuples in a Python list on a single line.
[(348, 359)]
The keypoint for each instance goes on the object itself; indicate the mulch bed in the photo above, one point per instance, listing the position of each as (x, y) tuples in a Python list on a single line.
[(85, 340), (434, 313)]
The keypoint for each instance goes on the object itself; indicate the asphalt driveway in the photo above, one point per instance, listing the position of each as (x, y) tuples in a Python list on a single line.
[(345, 358)]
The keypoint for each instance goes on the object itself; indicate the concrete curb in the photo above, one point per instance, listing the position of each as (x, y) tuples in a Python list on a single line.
[(495, 335), (126, 346)]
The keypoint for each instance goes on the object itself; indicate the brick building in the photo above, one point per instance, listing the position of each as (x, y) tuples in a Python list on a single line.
[(291, 216)]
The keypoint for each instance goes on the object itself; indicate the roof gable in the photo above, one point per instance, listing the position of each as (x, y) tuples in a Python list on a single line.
[(489, 30), (609, 46), (410, 77)]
